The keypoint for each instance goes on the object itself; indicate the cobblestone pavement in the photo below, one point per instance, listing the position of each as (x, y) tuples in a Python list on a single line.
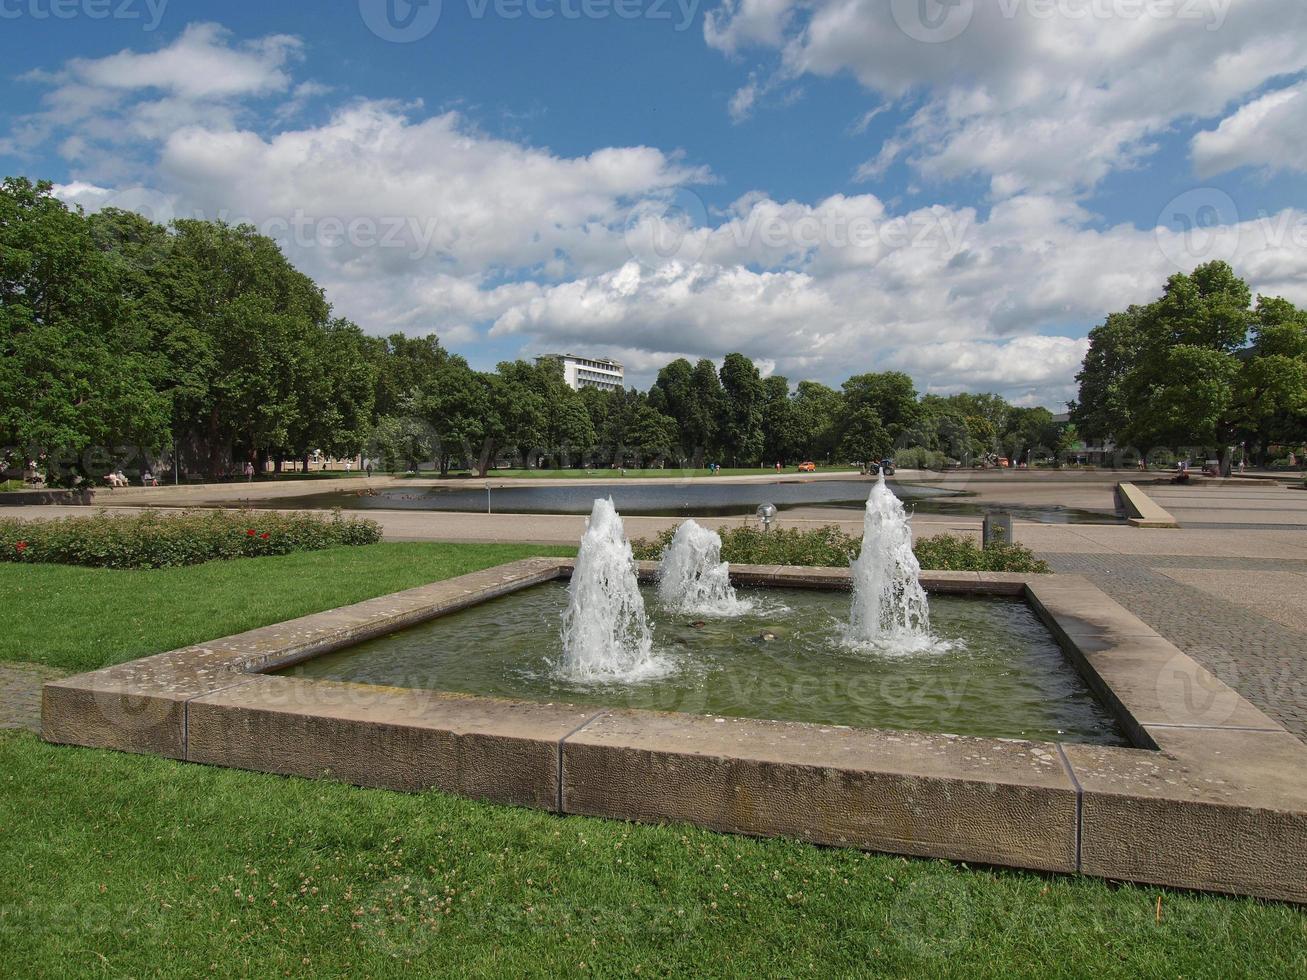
[(1262, 659), (20, 694)]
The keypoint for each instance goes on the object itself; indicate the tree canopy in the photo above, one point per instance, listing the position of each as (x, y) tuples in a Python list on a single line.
[(1201, 367), (200, 340)]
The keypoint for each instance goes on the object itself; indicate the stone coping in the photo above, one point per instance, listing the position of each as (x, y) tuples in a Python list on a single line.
[(1142, 510), (1213, 796)]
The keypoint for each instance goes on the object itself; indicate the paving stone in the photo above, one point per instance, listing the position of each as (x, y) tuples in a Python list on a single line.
[(20, 694), (1263, 660)]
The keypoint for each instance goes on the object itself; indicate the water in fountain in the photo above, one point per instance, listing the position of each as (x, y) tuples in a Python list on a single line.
[(606, 635), (693, 578), (890, 613)]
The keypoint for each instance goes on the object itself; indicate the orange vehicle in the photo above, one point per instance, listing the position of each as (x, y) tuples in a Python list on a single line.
[(808, 466)]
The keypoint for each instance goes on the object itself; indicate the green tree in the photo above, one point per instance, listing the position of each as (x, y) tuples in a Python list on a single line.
[(454, 402), (890, 394), (815, 414), (402, 442), (865, 438), (1181, 372), (742, 438), (778, 420), (403, 365), (1102, 409), (702, 430), (74, 373)]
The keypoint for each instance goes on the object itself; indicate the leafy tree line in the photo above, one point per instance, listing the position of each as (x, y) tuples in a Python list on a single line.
[(1201, 368), (124, 339)]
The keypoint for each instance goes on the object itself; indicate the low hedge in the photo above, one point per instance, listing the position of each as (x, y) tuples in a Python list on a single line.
[(830, 547), (158, 540)]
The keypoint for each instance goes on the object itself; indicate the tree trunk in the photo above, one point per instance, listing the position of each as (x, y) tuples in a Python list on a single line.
[(213, 444)]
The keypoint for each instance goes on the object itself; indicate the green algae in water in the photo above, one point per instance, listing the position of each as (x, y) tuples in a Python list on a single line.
[(1004, 675)]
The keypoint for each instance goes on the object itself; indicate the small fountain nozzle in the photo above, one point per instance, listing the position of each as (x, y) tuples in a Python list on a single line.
[(766, 514)]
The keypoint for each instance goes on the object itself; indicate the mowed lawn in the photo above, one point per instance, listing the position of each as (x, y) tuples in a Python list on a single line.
[(122, 865), (79, 619)]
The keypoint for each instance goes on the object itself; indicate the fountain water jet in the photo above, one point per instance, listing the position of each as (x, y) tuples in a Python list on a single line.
[(692, 577), (606, 635), (890, 612)]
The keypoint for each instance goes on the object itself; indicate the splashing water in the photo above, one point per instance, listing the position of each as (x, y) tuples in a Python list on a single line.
[(692, 577), (890, 613), (606, 635)]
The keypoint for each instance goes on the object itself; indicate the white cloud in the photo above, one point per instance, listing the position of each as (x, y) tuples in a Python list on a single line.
[(109, 105), (423, 222), (1037, 95), (1269, 132), (200, 64), (965, 315), (466, 200)]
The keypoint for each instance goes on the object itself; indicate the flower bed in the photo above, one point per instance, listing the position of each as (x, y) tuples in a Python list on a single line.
[(155, 540)]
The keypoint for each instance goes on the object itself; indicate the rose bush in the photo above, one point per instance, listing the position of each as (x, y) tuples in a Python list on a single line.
[(161, 540)]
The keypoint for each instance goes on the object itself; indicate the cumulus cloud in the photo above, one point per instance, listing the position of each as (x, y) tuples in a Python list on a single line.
[(103, 107), (1268, 133), (1037, 95), (420, 222)]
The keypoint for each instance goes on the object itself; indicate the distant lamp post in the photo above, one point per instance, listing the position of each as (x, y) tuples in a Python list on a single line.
[(766, 514)]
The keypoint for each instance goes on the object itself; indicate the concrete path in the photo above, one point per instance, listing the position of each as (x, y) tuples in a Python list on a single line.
[(1232, 503), (20, 694), (1239, 617)]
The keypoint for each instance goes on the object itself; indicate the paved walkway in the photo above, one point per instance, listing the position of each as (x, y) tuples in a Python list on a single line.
[(1213, 609), (20, 694), (1231, 503)]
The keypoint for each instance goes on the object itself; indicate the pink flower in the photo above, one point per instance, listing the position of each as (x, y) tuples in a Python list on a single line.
[(21, 546), (250, 532), (264, 535)]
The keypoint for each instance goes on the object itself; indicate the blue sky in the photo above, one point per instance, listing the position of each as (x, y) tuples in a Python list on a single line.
[(832, 186)]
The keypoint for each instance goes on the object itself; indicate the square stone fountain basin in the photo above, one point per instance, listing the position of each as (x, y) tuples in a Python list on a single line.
[(780, 654), (1206, 791)]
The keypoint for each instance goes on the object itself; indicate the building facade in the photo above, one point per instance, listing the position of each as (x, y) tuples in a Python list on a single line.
[(590, 372)]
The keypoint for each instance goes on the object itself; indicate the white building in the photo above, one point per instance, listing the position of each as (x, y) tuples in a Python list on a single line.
[(590, 372)]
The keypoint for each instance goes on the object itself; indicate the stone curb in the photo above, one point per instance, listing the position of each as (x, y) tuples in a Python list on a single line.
[(1142, 510), (1214, 796)]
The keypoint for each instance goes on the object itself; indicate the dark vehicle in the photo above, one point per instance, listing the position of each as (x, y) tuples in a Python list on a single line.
[(885, 466)]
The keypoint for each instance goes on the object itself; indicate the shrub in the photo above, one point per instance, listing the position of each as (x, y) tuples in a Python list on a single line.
[(830, 547), (920, 458), (155, 540), (948, 553)]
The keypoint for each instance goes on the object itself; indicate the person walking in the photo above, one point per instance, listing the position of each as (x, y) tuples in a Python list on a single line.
[(249, 472)]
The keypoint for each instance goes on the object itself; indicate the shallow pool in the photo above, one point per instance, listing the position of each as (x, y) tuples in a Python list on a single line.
[(786, 659)]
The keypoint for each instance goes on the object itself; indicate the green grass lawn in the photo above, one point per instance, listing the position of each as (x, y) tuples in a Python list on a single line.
[(119, 865), (79, 619), (122, 865)]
